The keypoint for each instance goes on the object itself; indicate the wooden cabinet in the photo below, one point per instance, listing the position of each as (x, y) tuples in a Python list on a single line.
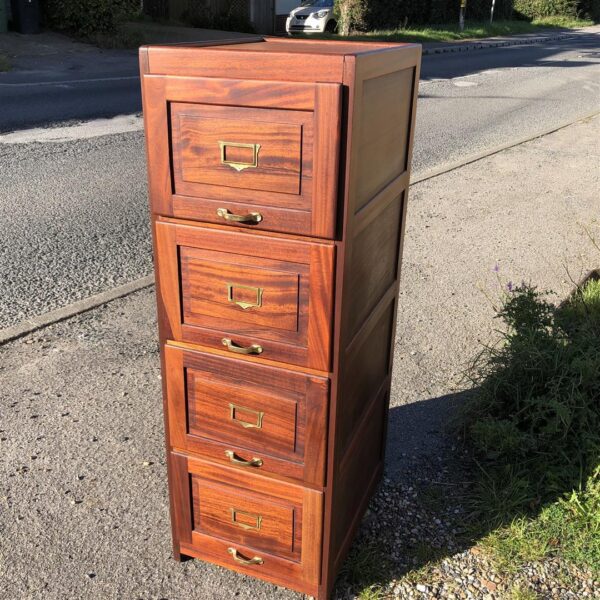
[(278, 178)]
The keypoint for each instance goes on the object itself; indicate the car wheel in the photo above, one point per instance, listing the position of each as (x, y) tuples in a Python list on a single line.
[(331, 26)]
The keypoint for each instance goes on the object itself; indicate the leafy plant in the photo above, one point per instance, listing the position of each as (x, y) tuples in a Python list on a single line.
[(534, 420), (534, 9), (86, 17), (533, 424), (350, 15)]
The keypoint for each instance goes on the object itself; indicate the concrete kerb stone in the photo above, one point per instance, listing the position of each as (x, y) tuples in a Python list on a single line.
[(61, 314), (484, 44)]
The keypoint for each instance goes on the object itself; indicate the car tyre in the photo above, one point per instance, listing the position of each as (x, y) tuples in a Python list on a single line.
[(331, 27)]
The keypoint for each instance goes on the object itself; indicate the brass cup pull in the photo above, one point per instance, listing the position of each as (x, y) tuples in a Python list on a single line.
[(253, 349), (256, 560), (253, 217), (254, 462)]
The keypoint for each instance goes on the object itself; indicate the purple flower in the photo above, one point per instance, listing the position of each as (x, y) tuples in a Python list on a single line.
[(496, 268), (510, 286)]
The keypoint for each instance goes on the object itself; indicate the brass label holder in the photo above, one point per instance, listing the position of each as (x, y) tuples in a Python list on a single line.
[(237, 165), (257, 424), (244, 305), (235, 512)]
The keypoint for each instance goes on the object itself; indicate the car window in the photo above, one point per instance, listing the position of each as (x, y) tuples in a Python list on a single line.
[(318, 3)]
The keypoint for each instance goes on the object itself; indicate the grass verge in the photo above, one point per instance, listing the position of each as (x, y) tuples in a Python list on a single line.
[(4, 62), (451, 32), (533, 425)]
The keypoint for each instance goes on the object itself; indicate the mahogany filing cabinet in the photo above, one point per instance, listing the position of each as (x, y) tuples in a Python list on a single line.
[(278, 176)]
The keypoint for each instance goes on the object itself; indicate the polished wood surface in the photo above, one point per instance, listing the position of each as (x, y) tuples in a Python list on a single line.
[(278, 179), (297, 125), (293, 324), (219, 405), (289, 539)]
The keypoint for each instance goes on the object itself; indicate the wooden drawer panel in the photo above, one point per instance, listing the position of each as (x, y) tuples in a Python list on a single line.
[(222, 514), (221, 289), (254, 520), (230, 410), (244, 148), (222, 148)]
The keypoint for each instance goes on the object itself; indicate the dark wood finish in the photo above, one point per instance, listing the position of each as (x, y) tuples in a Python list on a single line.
[(288, 540), (293, 323), (186, 119), (290, 409), (365, 315), (335, 124)]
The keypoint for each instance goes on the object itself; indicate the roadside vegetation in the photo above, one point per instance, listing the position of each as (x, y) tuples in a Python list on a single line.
[(533, 424), (392, 18), (530, 463), (451, 32)]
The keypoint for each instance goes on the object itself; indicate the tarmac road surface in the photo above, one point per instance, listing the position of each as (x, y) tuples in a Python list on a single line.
[(73, 215)]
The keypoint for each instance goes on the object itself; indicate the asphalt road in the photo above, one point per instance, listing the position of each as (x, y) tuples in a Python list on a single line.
[(73, 215)]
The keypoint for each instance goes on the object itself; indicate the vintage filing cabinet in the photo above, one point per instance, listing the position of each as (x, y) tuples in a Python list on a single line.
[(279, 174)]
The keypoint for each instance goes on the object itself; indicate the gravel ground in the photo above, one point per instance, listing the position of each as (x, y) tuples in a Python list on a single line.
[(83, 495)]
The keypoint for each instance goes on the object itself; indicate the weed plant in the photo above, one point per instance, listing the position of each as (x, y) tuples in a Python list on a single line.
[(533, 423)]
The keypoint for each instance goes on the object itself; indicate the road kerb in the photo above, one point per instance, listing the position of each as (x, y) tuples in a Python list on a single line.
[(60, 314), (485, 153), (484, 44)]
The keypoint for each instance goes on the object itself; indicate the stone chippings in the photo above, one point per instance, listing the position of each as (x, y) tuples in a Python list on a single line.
[(430, 556)]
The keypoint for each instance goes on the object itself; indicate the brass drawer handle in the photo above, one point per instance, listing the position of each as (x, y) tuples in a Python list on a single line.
[(254, 462), (236, 512), (253, 349), (238, 165), (253, 217), (257, 560)]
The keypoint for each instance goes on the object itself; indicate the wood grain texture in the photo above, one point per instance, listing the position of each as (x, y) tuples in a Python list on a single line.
[(377, 169), (339, 138), (186, 118), (288, 542), (283, 159), (291, 440), (197, 263), (244, 517)]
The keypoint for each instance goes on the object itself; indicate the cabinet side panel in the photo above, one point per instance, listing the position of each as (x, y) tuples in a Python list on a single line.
[(379, 150)]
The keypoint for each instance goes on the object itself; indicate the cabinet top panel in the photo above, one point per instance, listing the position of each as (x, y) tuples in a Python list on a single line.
[(261, 58)]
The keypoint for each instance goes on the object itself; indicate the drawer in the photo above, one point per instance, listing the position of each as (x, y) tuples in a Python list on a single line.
[(258, 417), (247, 522), (246, 293), (245, 153)]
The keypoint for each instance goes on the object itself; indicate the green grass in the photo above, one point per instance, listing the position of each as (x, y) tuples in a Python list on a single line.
[(569, 528), (533, 424), (365, 570), (4, 62), (451, 32), (522, 593)]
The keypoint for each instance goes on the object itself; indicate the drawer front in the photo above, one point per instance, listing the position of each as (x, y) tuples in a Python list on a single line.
[(269, 524), (245, 153), (247, 522), (249, 294), (255, 417), (243, 148)]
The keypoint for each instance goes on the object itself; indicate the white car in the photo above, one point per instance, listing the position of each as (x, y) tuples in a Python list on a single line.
[(312, 16)]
